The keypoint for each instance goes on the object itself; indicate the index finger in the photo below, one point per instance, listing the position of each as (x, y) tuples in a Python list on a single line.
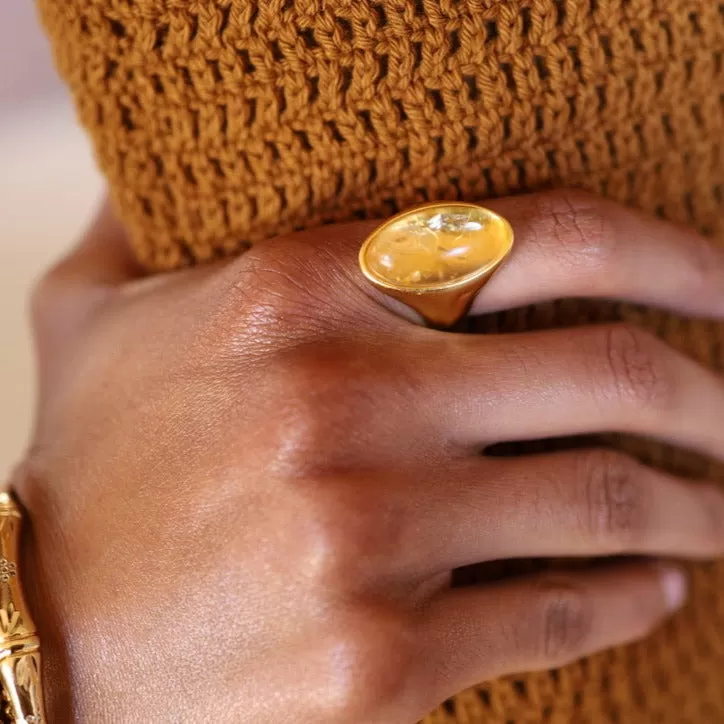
[(571, 244)]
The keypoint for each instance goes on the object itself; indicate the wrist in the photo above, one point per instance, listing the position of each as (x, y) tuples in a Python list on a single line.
[(88, 671)]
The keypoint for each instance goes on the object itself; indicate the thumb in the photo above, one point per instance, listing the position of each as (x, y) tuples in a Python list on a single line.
[(75, 286), (102, 258)]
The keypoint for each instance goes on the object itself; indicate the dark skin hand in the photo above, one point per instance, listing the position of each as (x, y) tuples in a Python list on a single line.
[(249, 483)]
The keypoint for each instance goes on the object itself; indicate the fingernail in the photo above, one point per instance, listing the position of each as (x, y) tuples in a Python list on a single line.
[(675, 585)]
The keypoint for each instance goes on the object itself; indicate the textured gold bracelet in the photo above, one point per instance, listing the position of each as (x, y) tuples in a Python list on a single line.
[(20, 672)]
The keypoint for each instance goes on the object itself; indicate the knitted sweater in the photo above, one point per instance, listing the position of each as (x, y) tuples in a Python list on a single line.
[(221, 123)]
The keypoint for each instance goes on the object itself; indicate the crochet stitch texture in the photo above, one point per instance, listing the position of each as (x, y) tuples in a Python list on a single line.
[(222, 123)]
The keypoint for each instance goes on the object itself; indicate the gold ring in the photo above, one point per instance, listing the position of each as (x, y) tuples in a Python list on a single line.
[(435, 258)]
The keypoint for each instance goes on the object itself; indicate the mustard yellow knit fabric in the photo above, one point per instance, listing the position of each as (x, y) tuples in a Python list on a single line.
[(221, 123)]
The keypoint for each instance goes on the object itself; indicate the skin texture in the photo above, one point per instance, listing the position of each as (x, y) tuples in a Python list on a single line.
[(249, 483)]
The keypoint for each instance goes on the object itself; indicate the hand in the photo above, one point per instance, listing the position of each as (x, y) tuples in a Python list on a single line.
[(250, 482)]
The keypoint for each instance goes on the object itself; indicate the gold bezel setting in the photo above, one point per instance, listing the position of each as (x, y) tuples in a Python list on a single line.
[(443, 303)]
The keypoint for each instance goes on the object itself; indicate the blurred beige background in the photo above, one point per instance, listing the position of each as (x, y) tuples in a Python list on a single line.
[(48, 188)]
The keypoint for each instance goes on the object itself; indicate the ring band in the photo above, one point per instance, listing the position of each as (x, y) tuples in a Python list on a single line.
[(435, 258)]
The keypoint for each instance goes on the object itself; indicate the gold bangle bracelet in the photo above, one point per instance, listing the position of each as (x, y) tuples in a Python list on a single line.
[(20, 665)]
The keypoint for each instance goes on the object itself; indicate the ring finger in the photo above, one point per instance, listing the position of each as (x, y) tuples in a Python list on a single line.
[(606, 378), (581, 503)]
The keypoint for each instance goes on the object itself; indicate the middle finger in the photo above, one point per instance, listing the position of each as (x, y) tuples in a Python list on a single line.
[(605, 378)]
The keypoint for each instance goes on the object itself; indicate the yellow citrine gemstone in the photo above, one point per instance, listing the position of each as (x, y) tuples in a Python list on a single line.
[(436, 246)]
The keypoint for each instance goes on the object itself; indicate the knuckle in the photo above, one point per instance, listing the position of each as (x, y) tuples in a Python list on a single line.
[(330, 557), (266, 302), (617, 502), (369, 654), (578, 227), (321, 394), (287, 290), (566, 620), (283, 289), (337, 548), (353, 531), (638, 365), (704, 265), (303, 420), (312, 411)]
